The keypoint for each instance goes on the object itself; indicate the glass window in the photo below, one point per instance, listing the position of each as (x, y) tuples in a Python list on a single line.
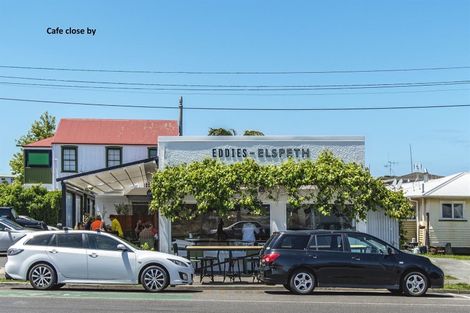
[(69, 159), (69, 240), (328, 242), (2, 227), (113, 156), (41, 240), (298, 242), (365, 244), (307, 217), (101, 242), (452, 210), (153, 152)]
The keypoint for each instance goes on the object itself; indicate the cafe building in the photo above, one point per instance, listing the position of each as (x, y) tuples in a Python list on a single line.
[(277, 215)]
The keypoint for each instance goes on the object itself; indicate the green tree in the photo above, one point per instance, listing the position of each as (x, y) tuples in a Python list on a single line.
[(250, 132), (221, 132), (40, 129), (334, 186), (34, 201)]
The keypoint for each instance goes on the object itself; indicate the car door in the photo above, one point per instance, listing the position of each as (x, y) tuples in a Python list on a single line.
[(329, 259), (370, 263), (68, 254), (106, 262)]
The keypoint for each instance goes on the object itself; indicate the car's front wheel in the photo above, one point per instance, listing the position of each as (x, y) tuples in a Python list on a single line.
[(42, 276), (415, 284), (154, 278), (302, 282)]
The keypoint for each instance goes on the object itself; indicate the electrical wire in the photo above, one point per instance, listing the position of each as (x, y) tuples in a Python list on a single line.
[(241, 108)]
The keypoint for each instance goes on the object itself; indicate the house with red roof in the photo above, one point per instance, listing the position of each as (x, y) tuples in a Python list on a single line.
[(100, 165)]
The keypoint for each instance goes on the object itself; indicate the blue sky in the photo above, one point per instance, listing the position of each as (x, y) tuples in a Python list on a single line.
[(253, 36)]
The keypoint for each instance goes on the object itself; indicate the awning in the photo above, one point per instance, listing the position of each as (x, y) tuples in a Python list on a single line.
[(119, 179)]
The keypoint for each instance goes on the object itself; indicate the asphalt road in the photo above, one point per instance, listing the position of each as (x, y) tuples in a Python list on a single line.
[(24, 299)]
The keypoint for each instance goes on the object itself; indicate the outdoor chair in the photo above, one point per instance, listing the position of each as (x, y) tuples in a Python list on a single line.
[(207, 262), (230, 272)]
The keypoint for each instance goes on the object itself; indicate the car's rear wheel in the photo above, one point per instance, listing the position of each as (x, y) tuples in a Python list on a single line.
[(287, 286), (302, 282), (42, 276), (154, 278), (415, 284)]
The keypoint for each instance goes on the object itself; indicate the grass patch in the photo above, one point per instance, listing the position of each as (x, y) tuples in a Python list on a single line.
[(3, 280), (457, 286), (450, 277), (448, 256)]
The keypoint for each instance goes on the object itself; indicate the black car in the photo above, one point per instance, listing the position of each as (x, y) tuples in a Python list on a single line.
[(24, 221), (303, 260), (235, 231)]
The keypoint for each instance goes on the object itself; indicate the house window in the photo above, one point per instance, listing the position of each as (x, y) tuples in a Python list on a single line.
[(69, 159), (37, 158), (113, 156), (152, 152), (452, 210)]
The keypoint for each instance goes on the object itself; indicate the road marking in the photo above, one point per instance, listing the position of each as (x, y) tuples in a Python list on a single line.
[(459, 295), (174, 297)]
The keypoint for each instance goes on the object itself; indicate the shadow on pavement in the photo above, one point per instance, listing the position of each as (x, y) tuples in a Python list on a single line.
[(355, 293), (80, 289)]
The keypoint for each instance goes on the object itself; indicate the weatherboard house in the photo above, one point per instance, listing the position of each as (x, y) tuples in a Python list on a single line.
[(105, 167)]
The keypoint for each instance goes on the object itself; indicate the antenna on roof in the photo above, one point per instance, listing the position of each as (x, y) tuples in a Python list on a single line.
[(389, 165)]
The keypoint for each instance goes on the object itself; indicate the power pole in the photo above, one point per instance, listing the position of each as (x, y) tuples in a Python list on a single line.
[(411, 160), (180, 107)]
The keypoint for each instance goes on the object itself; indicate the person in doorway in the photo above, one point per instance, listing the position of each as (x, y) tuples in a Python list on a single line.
[(138, 228), (220, 230), (79, 226), (97, 224), (90, 220), (249, 232), (116, 226), (146, 236)]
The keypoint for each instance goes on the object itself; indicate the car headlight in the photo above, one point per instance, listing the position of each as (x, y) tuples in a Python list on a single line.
[(13, 251), (178, 262)]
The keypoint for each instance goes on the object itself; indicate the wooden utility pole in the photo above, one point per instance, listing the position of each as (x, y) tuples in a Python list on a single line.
[(180, 106)]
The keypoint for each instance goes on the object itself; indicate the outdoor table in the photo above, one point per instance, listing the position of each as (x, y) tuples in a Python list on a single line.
[(230, 250)]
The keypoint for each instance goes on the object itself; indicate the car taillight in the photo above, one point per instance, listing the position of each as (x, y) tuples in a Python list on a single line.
[(270, 258)]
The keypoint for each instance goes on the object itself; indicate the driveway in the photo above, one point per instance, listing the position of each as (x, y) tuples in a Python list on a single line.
[(460, 269)]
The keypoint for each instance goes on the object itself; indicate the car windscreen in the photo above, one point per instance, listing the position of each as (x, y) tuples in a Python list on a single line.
[(11, 224)]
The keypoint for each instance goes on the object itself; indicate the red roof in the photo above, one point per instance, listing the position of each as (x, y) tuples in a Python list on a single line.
[(111, 132), (44, 143)]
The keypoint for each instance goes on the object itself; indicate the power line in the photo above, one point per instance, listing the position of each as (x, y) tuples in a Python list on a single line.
[(418, 69), (259, 89), (241, 108), (223, 86)]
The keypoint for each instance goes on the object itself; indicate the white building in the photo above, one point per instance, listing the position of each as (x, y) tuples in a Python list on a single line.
[(98, 163), (268, 150)]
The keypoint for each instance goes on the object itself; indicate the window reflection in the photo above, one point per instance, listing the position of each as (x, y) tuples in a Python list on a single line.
[(307, 217)]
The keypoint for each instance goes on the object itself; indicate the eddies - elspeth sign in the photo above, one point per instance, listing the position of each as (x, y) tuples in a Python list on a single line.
[(303, 153)]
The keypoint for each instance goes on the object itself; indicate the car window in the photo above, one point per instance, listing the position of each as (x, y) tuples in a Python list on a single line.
[(298, 242), (327, 242), (69, 240), (359, 243), (2, 227), (101, 242), (11, 224), (40, 240)]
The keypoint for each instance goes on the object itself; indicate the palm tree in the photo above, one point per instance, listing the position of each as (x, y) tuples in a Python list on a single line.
[(250, 132), (221, 132)]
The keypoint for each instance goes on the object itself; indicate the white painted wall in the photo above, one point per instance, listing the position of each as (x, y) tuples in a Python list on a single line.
[(93, 157)]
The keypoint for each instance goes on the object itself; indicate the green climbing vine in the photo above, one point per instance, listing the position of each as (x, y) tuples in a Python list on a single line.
[(333, 185)]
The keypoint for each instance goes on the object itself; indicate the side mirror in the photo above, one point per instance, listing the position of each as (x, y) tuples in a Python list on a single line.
[(121, 247), (390, 251), (59, 225)]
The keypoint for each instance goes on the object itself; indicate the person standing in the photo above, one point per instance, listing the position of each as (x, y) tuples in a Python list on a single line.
[(116, 226), (249, 230), (220, 230), (146, 236), (97, 224)]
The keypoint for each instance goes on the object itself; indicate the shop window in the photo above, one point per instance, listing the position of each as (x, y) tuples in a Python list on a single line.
[(113, 156), (69, 159), (307, 217)]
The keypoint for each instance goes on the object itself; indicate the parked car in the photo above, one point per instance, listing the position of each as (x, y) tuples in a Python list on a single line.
[(234, 231), (10, 232), (53, 258), (303, 260), (22, 220)]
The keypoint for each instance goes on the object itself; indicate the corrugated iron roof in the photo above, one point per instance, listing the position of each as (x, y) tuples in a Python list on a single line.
[(110, 132), (44, 143)]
